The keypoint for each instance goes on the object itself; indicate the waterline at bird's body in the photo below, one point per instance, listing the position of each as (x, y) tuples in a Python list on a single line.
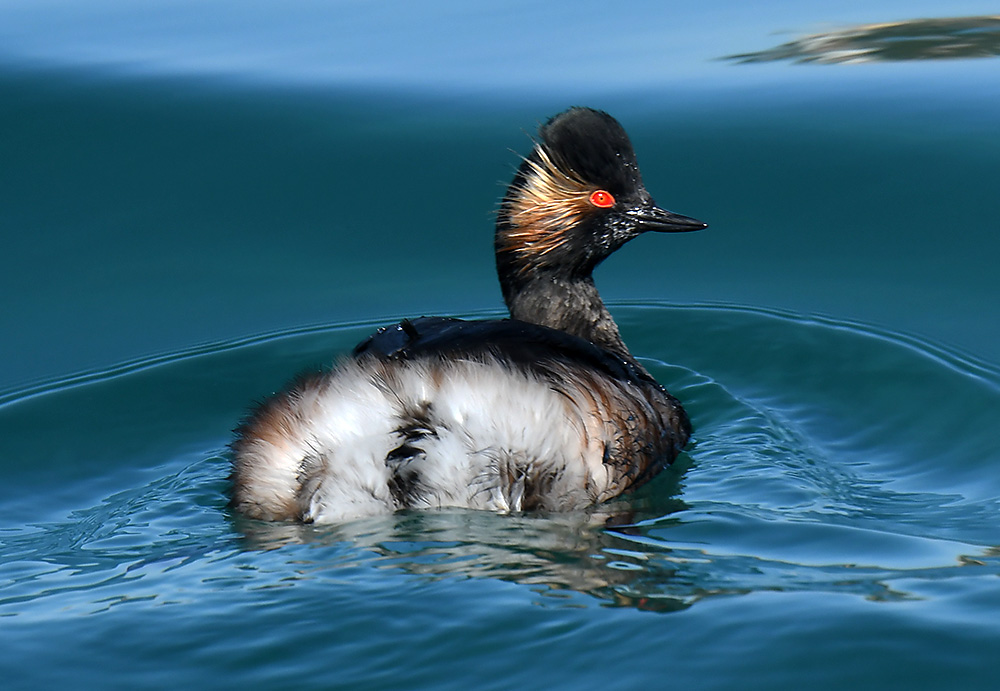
[(547, 410)]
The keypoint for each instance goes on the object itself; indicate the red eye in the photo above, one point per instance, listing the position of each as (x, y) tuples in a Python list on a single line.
[(602, 199)]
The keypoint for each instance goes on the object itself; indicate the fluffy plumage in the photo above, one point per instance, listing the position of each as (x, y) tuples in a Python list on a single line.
[(547, 410)]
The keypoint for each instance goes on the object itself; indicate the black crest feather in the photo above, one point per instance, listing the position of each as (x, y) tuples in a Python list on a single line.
[(594, 146)]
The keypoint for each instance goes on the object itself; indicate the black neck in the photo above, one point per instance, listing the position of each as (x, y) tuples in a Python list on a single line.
[(568, 304)]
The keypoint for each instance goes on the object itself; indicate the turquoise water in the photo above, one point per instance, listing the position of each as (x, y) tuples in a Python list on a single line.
[(198, 200)]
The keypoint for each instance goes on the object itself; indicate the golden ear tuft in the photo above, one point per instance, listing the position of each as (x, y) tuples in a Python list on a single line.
[(543, 209)]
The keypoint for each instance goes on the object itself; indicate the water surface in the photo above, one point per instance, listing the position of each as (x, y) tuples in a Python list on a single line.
[(817, 494), (201, 199)]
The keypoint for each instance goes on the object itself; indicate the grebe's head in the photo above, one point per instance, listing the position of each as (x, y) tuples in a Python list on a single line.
[(576, 199)]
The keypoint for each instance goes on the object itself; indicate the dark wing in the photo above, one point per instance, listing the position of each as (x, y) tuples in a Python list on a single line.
[(521, 343)]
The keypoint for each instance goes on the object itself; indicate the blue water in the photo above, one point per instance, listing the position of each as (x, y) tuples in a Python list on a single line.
[(198, 200)]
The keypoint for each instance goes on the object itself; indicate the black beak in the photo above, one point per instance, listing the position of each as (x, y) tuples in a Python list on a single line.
[(651, 217)]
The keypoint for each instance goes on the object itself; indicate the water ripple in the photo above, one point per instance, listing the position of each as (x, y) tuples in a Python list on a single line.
[(819, 465)]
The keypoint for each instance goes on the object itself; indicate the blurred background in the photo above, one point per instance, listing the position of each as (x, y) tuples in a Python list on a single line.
[(176, 173)]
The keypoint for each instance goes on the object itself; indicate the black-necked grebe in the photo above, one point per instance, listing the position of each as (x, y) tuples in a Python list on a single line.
[(545, 410)]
